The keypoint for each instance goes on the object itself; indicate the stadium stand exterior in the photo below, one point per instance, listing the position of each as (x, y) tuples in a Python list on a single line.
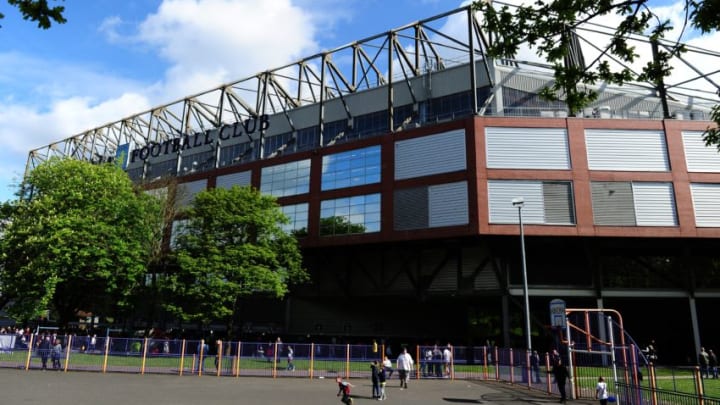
[(397, 157)]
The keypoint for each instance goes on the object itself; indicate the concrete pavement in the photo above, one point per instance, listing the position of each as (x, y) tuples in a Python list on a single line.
[(77, 388)]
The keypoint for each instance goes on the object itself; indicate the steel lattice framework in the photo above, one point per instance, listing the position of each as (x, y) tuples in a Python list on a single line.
[(390, 59)]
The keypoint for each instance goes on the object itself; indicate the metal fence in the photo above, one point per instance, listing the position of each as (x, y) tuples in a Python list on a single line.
[(309, 360)]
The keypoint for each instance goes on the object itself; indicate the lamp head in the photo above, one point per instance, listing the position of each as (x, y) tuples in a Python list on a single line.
[(518, 202)]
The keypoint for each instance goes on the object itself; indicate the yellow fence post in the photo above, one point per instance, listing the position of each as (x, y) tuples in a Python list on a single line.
[(182, 358), (417, 356), (653, 384), (106, 354), (218, 355), (699, 385), (497, 364), (67, 353), (201, 358), (512, 364), (237, 361), (275, 354), (144, 356), (485, 365), (312, 359), (29, 353), (347, 361)]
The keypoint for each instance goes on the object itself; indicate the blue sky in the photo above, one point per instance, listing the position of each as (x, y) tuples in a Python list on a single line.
[(113, 58)]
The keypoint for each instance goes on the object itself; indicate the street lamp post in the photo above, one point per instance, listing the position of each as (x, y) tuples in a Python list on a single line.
[(519, 202)]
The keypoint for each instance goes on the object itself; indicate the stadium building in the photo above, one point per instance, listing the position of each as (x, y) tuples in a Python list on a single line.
[(401, 159)]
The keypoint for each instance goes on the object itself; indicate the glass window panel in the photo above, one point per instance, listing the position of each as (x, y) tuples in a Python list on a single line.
[(358, 214), (350, 168)]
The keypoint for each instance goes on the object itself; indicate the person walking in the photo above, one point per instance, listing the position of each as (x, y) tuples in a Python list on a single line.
[(561, 374), (601, 391), (374, 379), (382, 380), (713, 363), (56, 355), (290, 358), (44, 348), (535, 366), (704, 361), (404, 367)]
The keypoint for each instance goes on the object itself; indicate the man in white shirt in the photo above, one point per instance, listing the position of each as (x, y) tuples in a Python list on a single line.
[(404, 367), (447, 359)]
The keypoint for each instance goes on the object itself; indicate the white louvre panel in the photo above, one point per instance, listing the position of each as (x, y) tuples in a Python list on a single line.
[(626, 150), (700, 158), (705, 200), (527, 148), (185, 193), (235, 179), (501, 194), (440, 153), (654, 204), (448, 204)]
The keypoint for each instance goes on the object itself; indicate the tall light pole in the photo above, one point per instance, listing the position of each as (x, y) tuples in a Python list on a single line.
[(519, 202)]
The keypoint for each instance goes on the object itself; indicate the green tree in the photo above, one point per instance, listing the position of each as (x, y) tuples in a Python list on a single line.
[(82, 241), (38, 11), (231, 247), (547, 26)]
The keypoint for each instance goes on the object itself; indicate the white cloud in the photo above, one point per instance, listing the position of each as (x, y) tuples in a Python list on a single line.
[(204, 43), (208, 42)]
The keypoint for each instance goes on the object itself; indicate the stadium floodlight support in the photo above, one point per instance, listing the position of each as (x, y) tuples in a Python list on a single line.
[(519, 202)]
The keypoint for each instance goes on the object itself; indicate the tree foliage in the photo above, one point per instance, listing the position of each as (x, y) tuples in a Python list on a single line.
[(39, 11), (232, 246), (547, 26), (81, 242)]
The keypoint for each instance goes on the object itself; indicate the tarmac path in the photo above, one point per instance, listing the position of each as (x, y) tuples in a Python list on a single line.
[(20, 387)]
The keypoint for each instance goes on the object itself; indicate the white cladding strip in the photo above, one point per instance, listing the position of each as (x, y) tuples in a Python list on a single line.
[(501, 194), (177, 229), (527, 148), (654, 204), (234, 179), (186, 192), (428, 155), (160, 193), (705, 200), (626, 150), (700, 158), (448, 204)]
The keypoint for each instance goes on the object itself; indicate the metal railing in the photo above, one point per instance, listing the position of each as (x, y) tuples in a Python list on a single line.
[(310, 360)]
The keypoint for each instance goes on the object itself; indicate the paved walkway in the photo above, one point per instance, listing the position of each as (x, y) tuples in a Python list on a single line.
[(78, 388)]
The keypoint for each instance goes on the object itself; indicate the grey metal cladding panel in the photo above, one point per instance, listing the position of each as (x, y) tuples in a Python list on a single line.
[(428, 155), (234, 179), (559, 207), (185, 193), (705, 201), (410, 208), (448, 204), (699, 158), (527, 148), (626, 150), (613, 203), (655, 204)]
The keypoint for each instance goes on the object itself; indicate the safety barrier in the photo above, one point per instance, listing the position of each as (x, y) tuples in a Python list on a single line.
[(310, 360)]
